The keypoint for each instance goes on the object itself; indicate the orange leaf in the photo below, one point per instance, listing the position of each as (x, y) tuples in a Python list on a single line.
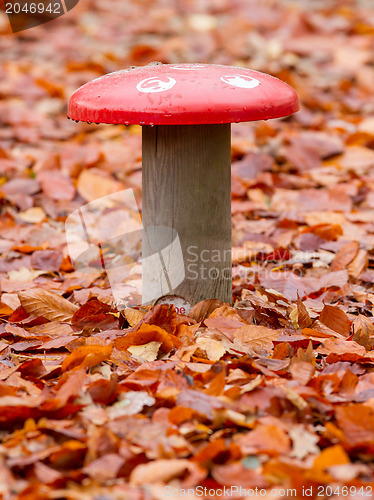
[(269, 439), (302, 371), (86, 356), (326, 231), (26, 248), (210, 451), (148, 333), (5, 310), (336, 319), (180, 414), (334, 455), (163, 316), (341, 346), (357, 423), (303, 317)]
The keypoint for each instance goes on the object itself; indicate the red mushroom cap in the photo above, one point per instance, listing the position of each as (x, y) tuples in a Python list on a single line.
[(182, 94)]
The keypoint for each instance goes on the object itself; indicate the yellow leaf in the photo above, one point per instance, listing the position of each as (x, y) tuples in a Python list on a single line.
[(32, 215), (148, 352), (92, 185), (213, 348)]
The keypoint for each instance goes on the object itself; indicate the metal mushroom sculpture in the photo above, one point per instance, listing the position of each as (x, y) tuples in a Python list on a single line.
[(185, 111)]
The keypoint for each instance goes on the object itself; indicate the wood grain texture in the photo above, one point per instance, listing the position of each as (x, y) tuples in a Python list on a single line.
[(186, 189)]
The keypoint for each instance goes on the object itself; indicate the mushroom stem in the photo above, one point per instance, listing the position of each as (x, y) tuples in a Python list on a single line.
[(187, 189)]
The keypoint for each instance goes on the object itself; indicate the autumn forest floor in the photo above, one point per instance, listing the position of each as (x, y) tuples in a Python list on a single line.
[(274, 393)]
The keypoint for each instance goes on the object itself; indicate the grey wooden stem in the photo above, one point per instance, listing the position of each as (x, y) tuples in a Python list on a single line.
[(186, 200)]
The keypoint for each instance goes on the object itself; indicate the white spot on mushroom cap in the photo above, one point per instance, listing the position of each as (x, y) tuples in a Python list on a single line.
[(241, 81), (187, 67), (156, 84)]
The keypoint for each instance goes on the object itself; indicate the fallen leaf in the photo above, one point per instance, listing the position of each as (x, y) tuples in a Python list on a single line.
[(56, 185), (267, 439), (133, 316), (203, 309), (32, 215), (163, 471), (336, 319), (340, 346), (24, 274), (148, 352), (345, 256), (47, 304), (86, 356), (145, 334), (302, 371), (303, 442), (256, 339), (357, 424), (104, 468), (213, 348), (363, 331), (93, 184)]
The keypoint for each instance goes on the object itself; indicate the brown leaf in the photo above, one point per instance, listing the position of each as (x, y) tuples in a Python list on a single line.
[(163, 316), (359, 264), (45, 474), (256, 339), (363, 330), (228, 326), (340, 346), (104, 468), (235, 474), (303, 317), (345, 256), (58, 342), (94, 314), (56, 185), (203, 309), (336, 319), (51, 329), (302, 371), (51, 306), (69, 386), (47, 260), (268, 439)]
